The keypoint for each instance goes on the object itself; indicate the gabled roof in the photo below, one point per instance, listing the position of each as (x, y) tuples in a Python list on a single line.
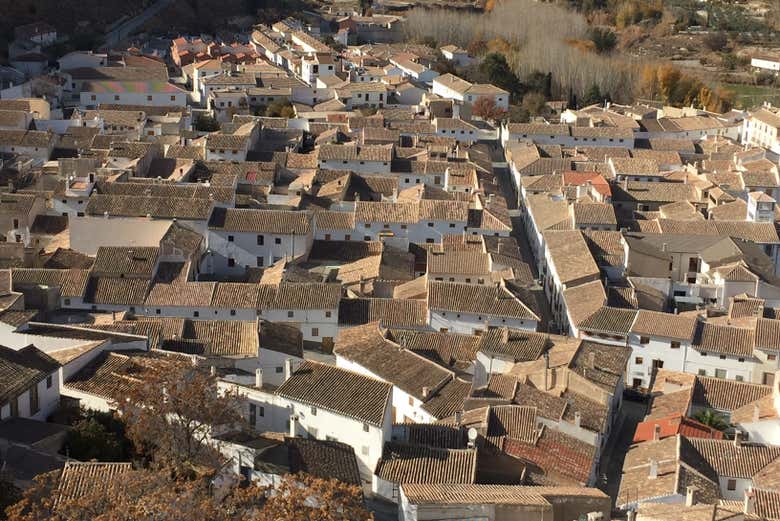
[(388, 311), (246, 220), (406, 463), (21, 369), (726, 395), (338, 390), (673, 425), (81, 479), (476, 299), (368, 347), (323, 459), (724, 339), (667, 325)]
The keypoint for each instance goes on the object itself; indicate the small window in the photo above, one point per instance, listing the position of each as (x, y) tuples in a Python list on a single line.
[(644, 340), (675, 345), (771, 357), (278, 240), (252, 414), (732, 484), (196, 314), (702, 372), (290, 314), (739, 378), (157, 311), (259, 262), (261, 411), (741, 359), (430, 225), (315, 331), (327, 314), (232, 312), (314, 411), (67, 302), (230, 238), (231, 262), (279, 369), (639, 360), (49, 382)]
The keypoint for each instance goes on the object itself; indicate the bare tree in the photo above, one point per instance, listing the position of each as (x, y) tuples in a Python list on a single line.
[(536, 33), (173, 414)]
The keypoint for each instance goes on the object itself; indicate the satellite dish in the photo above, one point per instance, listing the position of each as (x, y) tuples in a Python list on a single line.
[(472, 434)]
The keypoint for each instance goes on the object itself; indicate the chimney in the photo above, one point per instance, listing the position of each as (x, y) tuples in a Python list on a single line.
[(362, 284), (287, 368), (657, 432), (259, 377), (748, 502), (577, 419), (395, 195), (631, 516), (653, 469), (690, 496), (426, 392), (592, 359), (737, 438), (293, 425), (458, 417)]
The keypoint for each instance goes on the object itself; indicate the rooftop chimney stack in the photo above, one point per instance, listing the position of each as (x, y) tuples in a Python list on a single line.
[(577, 419), (657, 432), (293, 426), (287, 368), (749, 502), (737, 438), (690, 496), (259, 377), (653, 469), (426, 392), (213, 371)]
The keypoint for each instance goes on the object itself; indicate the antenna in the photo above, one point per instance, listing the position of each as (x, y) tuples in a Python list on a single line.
[(472, 436)]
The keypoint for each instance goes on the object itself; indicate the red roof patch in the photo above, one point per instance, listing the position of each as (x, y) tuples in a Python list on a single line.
[(674, 425)]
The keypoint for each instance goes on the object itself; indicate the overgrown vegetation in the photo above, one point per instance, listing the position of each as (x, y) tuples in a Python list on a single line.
[(206, 123), (670, 85), (534, 38), (712, 418), (170, 419), (280, 109), (99, 436)]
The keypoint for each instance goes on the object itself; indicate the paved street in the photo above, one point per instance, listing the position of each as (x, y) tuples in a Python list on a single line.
[(631, 413)]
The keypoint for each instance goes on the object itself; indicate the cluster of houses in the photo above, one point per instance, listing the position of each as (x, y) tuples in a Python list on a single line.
[(444, 310)]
